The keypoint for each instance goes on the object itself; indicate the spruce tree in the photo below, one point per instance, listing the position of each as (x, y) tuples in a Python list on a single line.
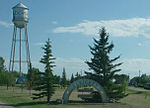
[(64, 80), (102, 67), (45, 83), (72, 78), (77, 76)]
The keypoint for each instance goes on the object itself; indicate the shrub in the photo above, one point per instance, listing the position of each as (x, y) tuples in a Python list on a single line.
[(147, 87), (140, 85)]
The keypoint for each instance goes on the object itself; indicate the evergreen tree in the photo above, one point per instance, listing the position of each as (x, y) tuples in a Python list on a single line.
[(77, 76), (120, 78), (103, 69), (56, 79), (45, 83), (72, 78), (64, 80)]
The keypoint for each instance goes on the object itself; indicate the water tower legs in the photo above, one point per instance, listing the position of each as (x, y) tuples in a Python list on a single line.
[(27, 49), (12, 54), (13, 50), (20, 52)]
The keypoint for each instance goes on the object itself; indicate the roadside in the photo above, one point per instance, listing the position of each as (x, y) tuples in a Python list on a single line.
[(3, 105), (139, 89)]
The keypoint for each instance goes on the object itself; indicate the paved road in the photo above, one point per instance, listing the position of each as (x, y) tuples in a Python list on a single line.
[(139, 89), (2, 105)]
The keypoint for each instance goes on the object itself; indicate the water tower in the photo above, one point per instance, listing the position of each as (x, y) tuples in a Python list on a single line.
[(20, 37)]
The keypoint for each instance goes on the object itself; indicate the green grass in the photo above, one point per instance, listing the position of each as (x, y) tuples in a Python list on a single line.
[(21, 99)]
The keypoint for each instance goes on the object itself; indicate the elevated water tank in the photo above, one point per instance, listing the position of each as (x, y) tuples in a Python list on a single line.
[(20, 15)]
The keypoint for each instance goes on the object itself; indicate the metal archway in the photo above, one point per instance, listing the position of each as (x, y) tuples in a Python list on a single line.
[(83, 82)]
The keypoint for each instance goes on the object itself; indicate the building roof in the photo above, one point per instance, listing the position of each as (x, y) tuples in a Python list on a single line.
[(20, 5)]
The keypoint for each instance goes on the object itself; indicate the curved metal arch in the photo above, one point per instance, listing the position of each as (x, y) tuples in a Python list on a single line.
[(83, 82)]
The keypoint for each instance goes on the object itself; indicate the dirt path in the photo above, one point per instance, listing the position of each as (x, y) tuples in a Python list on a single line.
[(3, 105)]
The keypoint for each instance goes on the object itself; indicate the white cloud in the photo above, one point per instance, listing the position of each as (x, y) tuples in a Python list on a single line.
[(5, 24), (72, 65), (132, 66), (128, 27), (39, 44), (139, 44), (54, 22)]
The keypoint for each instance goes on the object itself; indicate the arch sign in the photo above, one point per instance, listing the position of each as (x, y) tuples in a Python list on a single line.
[(83, 82)]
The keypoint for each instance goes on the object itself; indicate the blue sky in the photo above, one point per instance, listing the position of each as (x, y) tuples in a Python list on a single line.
[(71, 26)]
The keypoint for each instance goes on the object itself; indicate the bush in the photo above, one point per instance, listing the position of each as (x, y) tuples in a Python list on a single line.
[(140, 85), (92, 97), (147, 87), (96, 97)]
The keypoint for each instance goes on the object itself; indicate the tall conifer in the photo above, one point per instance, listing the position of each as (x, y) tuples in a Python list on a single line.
[(102, 66), (72, 78), (45, 83), (64, 80)]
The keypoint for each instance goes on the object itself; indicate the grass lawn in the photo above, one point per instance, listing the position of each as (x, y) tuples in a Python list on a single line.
[(21, 99)]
